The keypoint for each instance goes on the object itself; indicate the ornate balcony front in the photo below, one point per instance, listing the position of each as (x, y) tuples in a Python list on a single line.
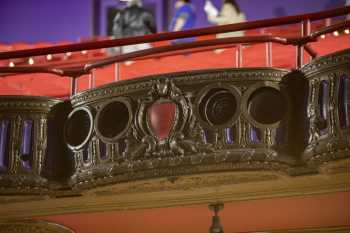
[(24, 123), (328, 108), (180, 124), (223, 134)]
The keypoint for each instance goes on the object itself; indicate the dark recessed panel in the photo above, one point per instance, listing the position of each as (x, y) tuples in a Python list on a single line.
[(218, 107), (78, 128), (267, 105), (113, 120)]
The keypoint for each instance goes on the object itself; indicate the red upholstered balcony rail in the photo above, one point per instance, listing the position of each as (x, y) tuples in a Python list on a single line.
[(175, 35), (85, 68)]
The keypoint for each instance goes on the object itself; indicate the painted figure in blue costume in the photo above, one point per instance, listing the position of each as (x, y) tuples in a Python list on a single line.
[(184, 19)]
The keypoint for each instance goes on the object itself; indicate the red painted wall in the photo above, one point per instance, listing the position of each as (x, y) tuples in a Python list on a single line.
[(243, 216)]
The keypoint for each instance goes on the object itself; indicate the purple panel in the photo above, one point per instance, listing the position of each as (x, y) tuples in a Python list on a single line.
[(122, 147), (280, 135), (347, 99), (323, 99), (210, 137), (86, 156), (229, 135), (42, 20), (4, 138), (26, 149), (103, 150), (343, 101), (255, 135)]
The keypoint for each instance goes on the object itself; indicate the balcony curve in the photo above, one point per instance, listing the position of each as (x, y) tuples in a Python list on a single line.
[(212, 123), (328, 108), (24, 143)]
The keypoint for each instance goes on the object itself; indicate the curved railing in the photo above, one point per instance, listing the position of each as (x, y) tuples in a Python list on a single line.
[(222, 120), (307, 18), (179, 124), (77, 70), (328, 108), (24, 138), (189, 123)]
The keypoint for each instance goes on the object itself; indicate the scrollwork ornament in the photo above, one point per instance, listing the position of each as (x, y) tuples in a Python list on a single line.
[(268, 139), (162, 90), (78, 160), (332, 105), (15, 144), (248, 155), (94, 147), (33, 227), (330, 147), (220, 139), (271, 155), (243, 132), (41, 142), (314, 132), (132, 140)]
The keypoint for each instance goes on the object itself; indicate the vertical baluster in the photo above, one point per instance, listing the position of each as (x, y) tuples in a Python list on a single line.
[(343, 102), (4, 138), (305, 31), (269, 54), (74, 86), (86, 153), (26, 148), (210, 137), (116, 71), (255, 135), (239, 56), (102, 150), (230, 135), (280, 135), (92, 79), (39, 143), (122, 149), (323, 99)]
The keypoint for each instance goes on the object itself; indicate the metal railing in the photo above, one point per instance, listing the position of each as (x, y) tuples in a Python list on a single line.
[(76, 70)]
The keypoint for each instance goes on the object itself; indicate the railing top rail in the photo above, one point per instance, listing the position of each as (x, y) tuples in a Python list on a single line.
[(175, 35), (177, 47), (80, 69), (77, 70)]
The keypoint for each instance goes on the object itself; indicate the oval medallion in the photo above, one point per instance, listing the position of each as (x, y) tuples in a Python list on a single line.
[(161, 118)]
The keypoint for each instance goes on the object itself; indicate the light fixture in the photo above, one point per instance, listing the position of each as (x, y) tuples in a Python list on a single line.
[(84, 52), (31, 61), (68, 54), (49, 57), (335, 33), (323, 36), (216, 226), (11, 64), (347, 31)]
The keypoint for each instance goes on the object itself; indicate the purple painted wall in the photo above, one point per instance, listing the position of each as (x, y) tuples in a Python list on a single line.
[(44, 20), (54, 21), (262, 9)]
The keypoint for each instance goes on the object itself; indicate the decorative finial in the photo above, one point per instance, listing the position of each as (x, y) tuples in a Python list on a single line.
[(216, 226)]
